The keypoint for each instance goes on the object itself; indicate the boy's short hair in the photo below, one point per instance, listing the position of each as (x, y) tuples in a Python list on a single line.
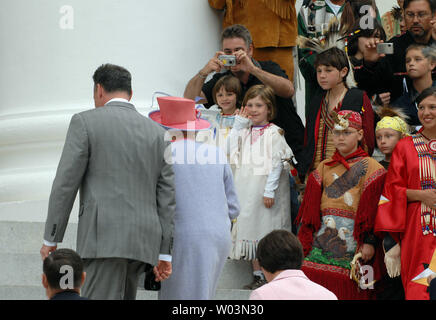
[(429, 52), (266, 93), (62, 257), (280, 250), (230, 84), (333, 57)]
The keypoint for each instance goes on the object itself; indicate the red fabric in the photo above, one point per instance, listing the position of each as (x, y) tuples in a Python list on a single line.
[(340, 284), (338, 158), (365, 220), (309, 210), (309, 214), (402, 219), (354, 121), (310, 218)]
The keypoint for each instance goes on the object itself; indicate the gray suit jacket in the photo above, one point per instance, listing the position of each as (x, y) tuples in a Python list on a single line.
[(127, 199)]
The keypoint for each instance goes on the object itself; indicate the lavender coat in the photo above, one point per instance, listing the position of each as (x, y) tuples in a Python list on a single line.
[(206, 202)]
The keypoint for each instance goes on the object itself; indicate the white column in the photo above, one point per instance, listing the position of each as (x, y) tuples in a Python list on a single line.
[(49, 52)]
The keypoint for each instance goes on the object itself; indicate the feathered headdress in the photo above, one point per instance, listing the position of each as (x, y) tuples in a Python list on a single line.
[(332, 37)]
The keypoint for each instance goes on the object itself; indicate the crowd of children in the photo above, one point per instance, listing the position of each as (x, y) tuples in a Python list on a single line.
[(338, 214), (355, 245), (340, 224)]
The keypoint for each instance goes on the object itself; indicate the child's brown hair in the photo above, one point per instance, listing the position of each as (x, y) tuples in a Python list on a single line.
[(230, 84), (266, 93)]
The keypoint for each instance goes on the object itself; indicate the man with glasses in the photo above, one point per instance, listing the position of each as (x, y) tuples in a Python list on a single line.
[(388, 72)]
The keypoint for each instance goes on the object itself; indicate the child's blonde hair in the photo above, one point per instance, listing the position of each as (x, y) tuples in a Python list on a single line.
[(266, 93), (230, 84), (429, 52)]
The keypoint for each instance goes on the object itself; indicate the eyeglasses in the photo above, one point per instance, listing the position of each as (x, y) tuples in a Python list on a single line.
[(345, 133), (420, 15)]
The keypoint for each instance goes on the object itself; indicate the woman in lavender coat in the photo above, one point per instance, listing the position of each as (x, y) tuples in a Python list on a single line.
[(206, 202)]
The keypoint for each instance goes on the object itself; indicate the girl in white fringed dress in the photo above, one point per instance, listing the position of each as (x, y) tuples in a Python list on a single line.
[(258, 150)]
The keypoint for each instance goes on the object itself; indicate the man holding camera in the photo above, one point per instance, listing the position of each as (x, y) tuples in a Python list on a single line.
[(387, 71), (236, 41)]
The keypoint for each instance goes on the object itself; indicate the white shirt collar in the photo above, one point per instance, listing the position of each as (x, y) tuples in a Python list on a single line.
[(335, 7), (118, 100)]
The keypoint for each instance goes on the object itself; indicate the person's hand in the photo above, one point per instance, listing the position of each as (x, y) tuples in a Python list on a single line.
[(242, 112), (431, 277), (428, 197), (385, 98), (268, 202), (370, 53), (45, 251), (163, 270), (243, 62), (367, 251), (393, 261), (213, 64)]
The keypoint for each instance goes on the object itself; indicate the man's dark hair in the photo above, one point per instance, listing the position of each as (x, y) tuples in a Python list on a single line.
[(58, 258), (431, 3), (425, 94), (237, 31), (113, 78), (280, 250), (333, 57)]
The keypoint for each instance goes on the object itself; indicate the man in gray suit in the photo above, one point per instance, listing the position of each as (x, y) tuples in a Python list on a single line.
[(115, 156)]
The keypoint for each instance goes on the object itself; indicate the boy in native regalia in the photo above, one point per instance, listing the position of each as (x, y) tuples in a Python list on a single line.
[(338, 212)]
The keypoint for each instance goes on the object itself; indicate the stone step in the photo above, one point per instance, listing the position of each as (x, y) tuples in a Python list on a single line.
[(18, 269), (38, 293), (21, 265), (27, 237)]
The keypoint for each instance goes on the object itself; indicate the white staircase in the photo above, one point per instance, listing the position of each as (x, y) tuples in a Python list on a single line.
[(21, 265)]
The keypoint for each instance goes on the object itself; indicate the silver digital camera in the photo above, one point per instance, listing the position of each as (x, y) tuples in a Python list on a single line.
[(386, 48), (227, 60)]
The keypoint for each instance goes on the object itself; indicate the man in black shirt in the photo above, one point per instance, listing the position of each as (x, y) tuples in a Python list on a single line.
[(236, 40)]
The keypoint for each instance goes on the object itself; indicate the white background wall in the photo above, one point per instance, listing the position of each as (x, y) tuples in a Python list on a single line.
[(43, 66), (46, 74)]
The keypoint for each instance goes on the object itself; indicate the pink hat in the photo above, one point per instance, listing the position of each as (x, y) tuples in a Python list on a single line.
[(178, 113)]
